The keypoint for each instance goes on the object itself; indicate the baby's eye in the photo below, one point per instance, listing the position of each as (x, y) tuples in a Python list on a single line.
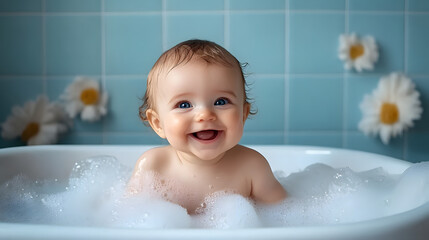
[(221, 101), (184, 105)]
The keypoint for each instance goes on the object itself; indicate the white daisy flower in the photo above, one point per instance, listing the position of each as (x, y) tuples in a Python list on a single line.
[(358, 53), (83, 96), (391, 108), (37, 122)]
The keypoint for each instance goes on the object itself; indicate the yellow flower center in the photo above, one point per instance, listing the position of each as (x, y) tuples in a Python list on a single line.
[(389, 113), (30, 131), (89, 96), (356, 51)]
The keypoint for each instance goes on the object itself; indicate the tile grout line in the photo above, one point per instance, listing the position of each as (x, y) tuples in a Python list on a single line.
[(262, 132), (226, 39), (267, 132), (344, 134), (275, 75), (287, 75), (405, 143), (103, 66), (199, 12), (44, 68), (405, 38), (139, 132), (226, 24), (164, 25)]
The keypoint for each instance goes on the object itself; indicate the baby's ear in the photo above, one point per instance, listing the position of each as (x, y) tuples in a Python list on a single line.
[(155, 123), (246, 111)]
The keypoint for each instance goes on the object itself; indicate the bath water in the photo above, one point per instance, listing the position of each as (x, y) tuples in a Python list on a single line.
[(318, 195)]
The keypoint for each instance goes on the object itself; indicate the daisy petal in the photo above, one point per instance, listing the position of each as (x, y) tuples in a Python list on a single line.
[(83, 97), (356, 53), (39, 121), (391, 108), (90, 113)]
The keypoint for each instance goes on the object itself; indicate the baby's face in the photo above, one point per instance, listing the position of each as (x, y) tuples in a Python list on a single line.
[(201, 108)]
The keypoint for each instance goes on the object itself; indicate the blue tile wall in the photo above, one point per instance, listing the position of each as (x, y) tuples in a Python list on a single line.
[(186, 5), (256, 5), (311, 108), (313, 42), (422, 85), (143, 32), (418, 5), (21, 6), (384, 28), (73, 6), (264, 33), (17, 91), (298, 85), (72, 49), (417, 147), (147, 138), (132, 5), (358, 141), (21, 41), (125, 100), (357, 88), (377, 5), (317, 5), (417, 43), (262, 138), (200, 26), (270, 111), (81, 138)]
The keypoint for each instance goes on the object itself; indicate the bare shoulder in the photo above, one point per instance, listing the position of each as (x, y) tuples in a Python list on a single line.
[(264, 186), (250, 158), (249, 155), (153, 159)]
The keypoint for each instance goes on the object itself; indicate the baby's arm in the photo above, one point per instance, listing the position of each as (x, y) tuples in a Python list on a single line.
[(146, 162), (265, 187), (134, 184)]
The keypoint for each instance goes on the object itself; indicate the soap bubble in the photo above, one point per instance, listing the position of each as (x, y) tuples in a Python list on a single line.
[(143, 211), (412, 190), (321, 195), (227, 211), (95, 195), (19, 201), (92, 183)]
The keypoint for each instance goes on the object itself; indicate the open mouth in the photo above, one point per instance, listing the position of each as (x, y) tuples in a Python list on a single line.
[(206, 135)]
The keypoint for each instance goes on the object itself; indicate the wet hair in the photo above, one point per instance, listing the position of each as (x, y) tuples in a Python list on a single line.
[(182, 53)]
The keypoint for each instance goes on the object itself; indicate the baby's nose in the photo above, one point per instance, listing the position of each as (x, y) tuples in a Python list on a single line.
[(205, 114)]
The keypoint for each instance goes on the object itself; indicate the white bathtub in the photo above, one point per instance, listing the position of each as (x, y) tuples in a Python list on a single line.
[(50, 162)]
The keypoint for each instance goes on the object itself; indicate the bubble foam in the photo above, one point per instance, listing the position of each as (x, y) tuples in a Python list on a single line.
[(319, 195)]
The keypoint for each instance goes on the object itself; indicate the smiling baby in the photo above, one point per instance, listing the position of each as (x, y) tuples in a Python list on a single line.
[(196, 99)]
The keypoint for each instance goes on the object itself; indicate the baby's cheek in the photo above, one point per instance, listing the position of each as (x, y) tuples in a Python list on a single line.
[(235, 118), (177, 124), (235, 124)]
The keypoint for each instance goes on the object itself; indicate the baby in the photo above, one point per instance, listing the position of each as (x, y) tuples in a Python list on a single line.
[(196, 99)]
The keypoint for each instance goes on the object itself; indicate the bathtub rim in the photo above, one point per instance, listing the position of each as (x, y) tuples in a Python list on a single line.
[(370, 228), (374, 226), (399, 165), (395, 166)]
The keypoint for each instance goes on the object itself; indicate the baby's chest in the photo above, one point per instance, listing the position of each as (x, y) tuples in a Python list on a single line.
[(200, 184), (190, 190)]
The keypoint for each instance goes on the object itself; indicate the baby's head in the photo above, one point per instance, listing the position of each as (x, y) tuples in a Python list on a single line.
[(182, 53), (196, 99)]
